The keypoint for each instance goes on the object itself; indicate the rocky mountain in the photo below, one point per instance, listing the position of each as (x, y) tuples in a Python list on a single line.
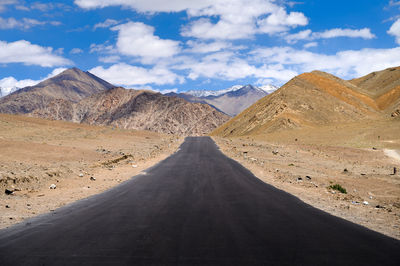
[(71, 85), (132, 109), (230, 101), (318, 98)]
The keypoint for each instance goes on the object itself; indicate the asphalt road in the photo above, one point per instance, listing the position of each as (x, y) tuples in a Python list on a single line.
[(197, 207)]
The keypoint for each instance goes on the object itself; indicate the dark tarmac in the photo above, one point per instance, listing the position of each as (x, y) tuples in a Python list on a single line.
[(197, 207)]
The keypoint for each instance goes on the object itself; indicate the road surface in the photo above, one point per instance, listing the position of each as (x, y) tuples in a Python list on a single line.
[(197, 207)]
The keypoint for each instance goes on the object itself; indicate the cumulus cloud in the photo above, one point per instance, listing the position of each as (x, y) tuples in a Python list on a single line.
[(128, 75), (346, 64), (9, 83), (138, 40), (228, 66), (30, 54), (236, 19), (364, 33), (239, 19), (395, 30)]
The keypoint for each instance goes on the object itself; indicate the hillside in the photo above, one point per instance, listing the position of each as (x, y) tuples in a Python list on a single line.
[(314, 99), (72, 85), (132, 109), (230, 101)]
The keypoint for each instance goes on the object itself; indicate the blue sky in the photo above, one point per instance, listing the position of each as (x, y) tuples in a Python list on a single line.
[(181, 45)]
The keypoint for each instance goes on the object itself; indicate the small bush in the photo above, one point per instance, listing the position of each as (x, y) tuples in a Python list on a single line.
[(338, 188)]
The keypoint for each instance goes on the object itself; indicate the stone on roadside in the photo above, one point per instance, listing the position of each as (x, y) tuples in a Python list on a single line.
[(365, 202), (9, 191), (92, 178), (134, 165), (52, 186)]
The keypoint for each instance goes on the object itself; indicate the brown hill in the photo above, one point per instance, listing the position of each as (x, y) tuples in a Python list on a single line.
[(384, 87), (314, 99), (132, 109), (72, 85)]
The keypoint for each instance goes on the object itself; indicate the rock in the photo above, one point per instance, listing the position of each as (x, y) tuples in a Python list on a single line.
[(355, 202), (345, 170), (299, 179), (308, 177), (80, 175), (8, 191), (7, 206), (275, 152), (52, 186), (365, 202), (374, 148), (92, 178), (370, 197), (379, 207), (134, 165)]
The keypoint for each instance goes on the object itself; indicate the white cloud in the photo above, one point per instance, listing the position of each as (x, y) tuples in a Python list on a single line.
[(9, 83), (364, 33), (236, 19), (145, 6), (24, 23), (395, 30), (239, 19), (76, 51), (30, 54), (301, 35), (346, 64), (138, 40), (228, 66), (310, 44), (5, 3), (106, 24), (203, 47), (128, 75), (110, 59), (281, 21)]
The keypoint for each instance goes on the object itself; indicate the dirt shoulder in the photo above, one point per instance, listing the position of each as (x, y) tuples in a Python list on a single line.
[(80, 160), (309, 170)]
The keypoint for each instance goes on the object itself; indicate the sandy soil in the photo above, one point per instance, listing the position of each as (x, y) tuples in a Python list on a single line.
[(307, 170), (80, 160)]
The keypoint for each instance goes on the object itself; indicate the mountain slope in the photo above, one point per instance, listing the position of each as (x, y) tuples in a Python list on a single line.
[(384, 87), (308, 100), (231, 101), (72, 85), (131, 109)]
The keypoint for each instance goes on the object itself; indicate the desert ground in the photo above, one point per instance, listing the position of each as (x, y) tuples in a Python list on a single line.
[(80, 160), (360, 157)]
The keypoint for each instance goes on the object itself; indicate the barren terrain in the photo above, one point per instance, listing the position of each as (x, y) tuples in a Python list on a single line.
[(80, 160), (360, 157)]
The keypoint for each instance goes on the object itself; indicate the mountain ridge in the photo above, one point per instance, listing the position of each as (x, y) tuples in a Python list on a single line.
[(314, 99)]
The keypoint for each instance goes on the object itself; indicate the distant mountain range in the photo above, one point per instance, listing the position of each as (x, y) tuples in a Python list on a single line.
[(318, 98), (81, 97), (231, 101)]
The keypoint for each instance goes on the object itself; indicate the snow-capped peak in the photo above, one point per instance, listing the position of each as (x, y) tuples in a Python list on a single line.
[(205, 93), (268, 88)]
